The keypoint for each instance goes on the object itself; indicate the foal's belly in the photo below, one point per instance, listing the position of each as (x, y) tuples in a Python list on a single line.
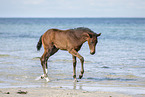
[(61, 47)]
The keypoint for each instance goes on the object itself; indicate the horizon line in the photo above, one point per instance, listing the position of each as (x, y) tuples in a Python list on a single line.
[(72, 17)]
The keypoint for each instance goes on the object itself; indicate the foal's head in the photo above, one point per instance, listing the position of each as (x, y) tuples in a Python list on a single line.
[(90, 36), (92, 41)]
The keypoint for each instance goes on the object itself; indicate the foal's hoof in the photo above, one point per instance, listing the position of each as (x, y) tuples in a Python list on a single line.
[(45, 77), (80, 76), (42, 76)]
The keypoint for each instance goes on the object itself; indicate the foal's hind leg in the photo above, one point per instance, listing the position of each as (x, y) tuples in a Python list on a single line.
[(44, 65), (44, 58)]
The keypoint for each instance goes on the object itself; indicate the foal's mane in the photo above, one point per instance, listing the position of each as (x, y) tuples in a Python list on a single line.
[(84, 29)]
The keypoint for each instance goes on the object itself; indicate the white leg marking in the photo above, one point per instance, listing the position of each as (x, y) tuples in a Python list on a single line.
[(47, 79), (46, 71)]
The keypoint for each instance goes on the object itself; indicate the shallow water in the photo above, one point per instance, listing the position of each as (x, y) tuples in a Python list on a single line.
[(118, 65)]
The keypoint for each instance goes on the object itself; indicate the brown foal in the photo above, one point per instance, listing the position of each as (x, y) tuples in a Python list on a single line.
[(70, 40)]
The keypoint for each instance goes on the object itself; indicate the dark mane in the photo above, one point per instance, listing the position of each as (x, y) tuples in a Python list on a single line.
[(83, 29)]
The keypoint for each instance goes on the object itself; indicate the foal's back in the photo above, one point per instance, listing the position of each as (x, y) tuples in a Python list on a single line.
[(62, 39)]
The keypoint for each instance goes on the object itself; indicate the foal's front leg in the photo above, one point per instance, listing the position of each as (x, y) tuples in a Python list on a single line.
[(74, 68), (76, 54)]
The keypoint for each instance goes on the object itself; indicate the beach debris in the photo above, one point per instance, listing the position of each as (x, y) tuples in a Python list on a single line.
[(85, 91), (7, 93), (22, 92)]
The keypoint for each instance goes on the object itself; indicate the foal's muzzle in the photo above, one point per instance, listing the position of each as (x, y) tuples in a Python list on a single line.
[(92, 53)]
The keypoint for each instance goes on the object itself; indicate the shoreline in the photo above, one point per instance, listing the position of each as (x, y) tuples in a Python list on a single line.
[(57, 92), (75, 90)]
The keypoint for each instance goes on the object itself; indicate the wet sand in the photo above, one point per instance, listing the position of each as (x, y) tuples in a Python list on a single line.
[(57, 92)]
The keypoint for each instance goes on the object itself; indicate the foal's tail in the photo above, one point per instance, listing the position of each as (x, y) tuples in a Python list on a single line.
[(39, 44)]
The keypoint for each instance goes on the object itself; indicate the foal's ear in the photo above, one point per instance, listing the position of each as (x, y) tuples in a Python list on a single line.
[(98, 34)]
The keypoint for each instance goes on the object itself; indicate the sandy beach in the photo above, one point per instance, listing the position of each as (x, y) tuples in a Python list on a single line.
[(56, 92)]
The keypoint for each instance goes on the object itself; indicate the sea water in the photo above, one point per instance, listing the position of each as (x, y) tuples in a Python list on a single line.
[(119, 62)]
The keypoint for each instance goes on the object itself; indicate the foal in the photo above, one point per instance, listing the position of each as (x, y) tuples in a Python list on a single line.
[(70, 40)]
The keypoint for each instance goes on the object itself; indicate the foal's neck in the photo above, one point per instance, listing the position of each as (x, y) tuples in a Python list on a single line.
[(84, 37)]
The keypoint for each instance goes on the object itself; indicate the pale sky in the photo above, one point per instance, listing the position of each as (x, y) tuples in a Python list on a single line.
[(72, 8)]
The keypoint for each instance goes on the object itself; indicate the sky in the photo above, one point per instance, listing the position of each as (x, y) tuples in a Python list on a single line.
[(72, 8)]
